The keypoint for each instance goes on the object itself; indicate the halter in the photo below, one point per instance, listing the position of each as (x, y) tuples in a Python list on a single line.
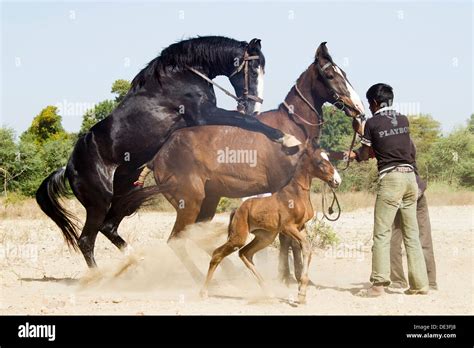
[(338, 103), (244, 65), (307, 102)]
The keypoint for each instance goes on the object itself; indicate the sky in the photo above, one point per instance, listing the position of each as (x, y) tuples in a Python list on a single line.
[(69, 53)]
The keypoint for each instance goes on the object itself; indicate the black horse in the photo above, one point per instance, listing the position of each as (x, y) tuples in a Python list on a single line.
[(170, 93)]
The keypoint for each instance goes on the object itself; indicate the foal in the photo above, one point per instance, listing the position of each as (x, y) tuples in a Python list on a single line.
[(285, 212)]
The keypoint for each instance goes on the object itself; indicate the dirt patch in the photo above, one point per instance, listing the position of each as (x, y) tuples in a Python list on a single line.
[(39, 275)]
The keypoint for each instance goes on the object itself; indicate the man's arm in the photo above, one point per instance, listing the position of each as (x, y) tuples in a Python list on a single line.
[(364, 153)]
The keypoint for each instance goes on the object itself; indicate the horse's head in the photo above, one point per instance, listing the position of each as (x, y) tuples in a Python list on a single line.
[(320, 167), (247, 77), (335, 88)]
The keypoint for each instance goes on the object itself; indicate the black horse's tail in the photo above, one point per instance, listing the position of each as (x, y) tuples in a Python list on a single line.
[(47, 197)]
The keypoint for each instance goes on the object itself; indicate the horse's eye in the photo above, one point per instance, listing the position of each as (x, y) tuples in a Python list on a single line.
[(330, 77)]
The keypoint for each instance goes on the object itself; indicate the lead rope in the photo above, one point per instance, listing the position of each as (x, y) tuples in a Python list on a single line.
[(200, 74), (331, 208), (350, 150)]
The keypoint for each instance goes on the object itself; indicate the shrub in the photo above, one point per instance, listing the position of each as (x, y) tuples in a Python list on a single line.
[(227, 204), (321, 234)]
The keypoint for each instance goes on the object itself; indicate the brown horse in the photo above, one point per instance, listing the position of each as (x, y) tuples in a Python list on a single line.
[(199, 165), (285, 212), (286, 243)]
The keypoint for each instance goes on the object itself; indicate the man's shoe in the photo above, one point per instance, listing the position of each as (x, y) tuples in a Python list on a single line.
[(398, 286), (415, 292)]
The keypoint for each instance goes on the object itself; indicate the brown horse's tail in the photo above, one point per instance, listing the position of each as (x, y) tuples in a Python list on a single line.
[(48, 198), (129, 203), (232, 213)]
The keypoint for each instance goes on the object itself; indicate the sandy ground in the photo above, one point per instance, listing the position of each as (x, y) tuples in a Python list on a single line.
[(40, 276)]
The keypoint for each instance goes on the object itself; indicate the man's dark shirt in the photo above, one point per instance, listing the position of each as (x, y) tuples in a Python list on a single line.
[(387, 132)]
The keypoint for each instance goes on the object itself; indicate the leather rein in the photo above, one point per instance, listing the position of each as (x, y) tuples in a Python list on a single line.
[(243, 66)]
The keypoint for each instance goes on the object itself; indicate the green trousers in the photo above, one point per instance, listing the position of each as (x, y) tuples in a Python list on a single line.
[(397, 192), (422, 215)]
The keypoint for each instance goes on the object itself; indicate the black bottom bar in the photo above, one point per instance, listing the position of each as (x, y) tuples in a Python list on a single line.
[(240, 330)]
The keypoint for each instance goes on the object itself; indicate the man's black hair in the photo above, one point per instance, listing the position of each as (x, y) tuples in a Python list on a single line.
[(381, 93)]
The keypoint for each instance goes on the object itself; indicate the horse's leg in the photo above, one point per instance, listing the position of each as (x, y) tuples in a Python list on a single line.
[(187, 207), (212, 115), (123, 185), (283, 263), (302, 239), (95, 195), (207, 212), (110, 229), (235, 242), (297, 258), (262, 239), (208, 207), (95, 218)]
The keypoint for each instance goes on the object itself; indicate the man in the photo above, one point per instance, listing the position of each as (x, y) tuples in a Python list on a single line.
[(387, 135), (397, 275)]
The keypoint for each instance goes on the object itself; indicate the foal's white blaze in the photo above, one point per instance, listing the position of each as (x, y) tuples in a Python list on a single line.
[(337, 177), (352, 93), (258, 106)]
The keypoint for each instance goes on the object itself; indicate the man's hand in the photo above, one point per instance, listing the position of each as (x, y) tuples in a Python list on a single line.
[(349, 156), (341, 155)]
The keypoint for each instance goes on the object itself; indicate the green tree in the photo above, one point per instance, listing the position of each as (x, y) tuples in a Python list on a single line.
[(36, 162), (8, 152), (470, 124), (46, 125), (121, 88), (425, 131), (452, 159), (30, 164), (96, 114), (104, 108), (337, 129)]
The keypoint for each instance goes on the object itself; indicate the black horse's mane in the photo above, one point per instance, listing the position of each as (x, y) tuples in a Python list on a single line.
[(213, 53)]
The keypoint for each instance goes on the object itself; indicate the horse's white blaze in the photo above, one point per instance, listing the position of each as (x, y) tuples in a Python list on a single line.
[(337, 177), (325, 156), (258, 106), (352, 93)]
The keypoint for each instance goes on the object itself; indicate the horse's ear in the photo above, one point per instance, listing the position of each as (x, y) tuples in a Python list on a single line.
[(322, 52), (254, 46)]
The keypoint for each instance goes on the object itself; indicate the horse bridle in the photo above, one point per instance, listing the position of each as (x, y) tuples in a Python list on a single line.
[(338, 102), (245, 66)]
